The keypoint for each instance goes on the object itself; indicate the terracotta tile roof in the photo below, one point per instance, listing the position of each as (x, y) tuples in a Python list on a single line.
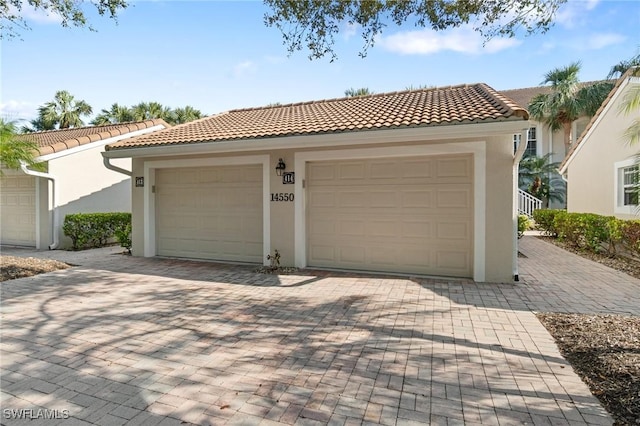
[(524, 95), (630, 73), (462, 104), (58, 140)]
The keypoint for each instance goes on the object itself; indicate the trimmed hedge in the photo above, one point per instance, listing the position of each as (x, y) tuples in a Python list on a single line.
[(89, 230), (589, 231)]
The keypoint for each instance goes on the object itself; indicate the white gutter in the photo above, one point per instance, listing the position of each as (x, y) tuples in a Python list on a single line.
[(108, 165), (55, 241), (522, 147)]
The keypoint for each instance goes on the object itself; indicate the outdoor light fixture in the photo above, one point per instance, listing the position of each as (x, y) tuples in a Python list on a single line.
[(280, 167)]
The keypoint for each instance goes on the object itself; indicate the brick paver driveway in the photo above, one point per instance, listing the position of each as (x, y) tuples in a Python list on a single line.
[(123, 340)]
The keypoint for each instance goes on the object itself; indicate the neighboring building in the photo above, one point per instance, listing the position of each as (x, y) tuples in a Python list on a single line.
[(417, 182), (33, 204), (541, 140), (602, 167)]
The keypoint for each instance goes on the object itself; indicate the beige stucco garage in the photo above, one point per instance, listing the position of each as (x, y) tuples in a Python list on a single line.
[(417, 182), (34, 203)]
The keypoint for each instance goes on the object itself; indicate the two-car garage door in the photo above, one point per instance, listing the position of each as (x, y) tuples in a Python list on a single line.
[(411, 215), (210, 213)]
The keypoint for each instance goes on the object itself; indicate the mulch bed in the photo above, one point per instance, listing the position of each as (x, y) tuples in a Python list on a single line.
[(12, 267), (604, 350)]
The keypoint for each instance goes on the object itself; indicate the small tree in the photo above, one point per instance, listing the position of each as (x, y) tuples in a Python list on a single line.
[(539, 177), (15, 151)]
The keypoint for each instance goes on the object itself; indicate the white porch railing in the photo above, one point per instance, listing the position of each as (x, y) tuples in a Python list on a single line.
[(527, 203)]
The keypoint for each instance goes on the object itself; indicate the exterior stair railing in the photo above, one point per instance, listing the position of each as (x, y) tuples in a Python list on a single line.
[(527, 203)]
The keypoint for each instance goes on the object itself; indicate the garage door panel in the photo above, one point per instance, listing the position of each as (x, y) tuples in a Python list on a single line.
[(353, 255), (453, 230), (420, 198), (210, 213), (453, 260), (18, 207), (322, 199), (400, 215), (454, 198)]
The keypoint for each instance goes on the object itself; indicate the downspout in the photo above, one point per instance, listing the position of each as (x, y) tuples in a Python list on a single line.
[(55, 241), (110, 166), (522, 147)]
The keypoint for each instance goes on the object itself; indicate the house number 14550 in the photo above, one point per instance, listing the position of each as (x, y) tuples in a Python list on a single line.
[(280, 196)]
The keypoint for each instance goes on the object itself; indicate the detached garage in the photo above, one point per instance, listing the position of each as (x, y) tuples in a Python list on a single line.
[(417, 182)]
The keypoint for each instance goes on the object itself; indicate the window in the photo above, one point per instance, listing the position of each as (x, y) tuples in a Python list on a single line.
[(630, 186), (532, 143), (627, 185)]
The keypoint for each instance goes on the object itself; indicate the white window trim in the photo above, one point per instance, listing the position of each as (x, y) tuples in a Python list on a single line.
[(478, 149), (150, 167), (618, 208)]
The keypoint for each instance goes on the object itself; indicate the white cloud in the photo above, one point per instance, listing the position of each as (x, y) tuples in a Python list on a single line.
[(243, 68), (573, 13), (427, 41), (599, 41), (18, 110)]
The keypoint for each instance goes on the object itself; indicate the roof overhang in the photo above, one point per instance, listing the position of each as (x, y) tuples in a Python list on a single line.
[(98, 143), (411, 134), (595, 120)]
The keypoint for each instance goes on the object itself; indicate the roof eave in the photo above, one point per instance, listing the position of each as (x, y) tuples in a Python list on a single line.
[(509, 125)]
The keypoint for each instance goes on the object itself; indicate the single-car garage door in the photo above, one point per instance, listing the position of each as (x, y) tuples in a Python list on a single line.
[(412, 215), (18, 210), (210, 213)]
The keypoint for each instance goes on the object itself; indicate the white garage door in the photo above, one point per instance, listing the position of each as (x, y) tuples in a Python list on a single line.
[(18, 210), (411, 215), (210, 213)]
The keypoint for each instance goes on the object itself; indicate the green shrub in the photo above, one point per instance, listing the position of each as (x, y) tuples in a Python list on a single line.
[(123, 235), (589, 231), (523, 224), (88, 230), (544, 219), (630, 235)]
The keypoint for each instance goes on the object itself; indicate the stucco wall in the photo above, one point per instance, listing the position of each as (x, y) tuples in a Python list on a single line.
[(499, 211), (591, 173), (85, 185)]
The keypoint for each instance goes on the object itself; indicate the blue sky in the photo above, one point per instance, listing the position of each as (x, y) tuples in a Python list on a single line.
[(216, 56)]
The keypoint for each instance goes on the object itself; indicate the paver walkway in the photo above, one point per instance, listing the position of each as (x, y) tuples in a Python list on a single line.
[(122, 340)]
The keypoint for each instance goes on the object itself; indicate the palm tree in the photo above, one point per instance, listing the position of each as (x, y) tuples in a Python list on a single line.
[(117, 114), (38, 125), (15, 151), (363, 91), (186, 114), (150, 110), (539, 177), (568, 100), (621, 67), (64, 111)]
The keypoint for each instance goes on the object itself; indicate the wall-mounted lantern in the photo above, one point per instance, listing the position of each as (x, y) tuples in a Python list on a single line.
[(280, 167)]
